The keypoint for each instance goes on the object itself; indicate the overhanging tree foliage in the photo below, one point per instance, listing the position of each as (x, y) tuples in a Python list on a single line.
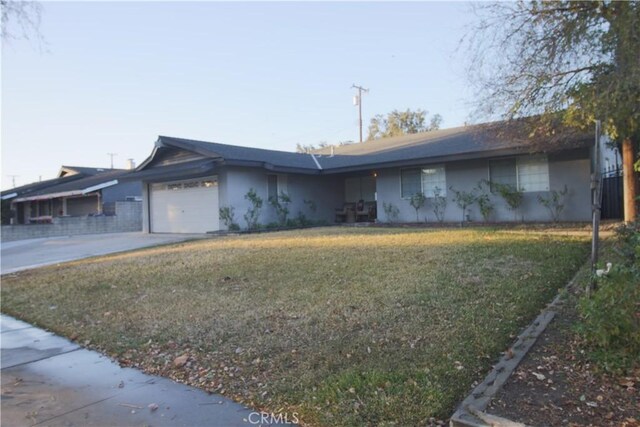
[(20, 20), (398, 123), (568, 61)]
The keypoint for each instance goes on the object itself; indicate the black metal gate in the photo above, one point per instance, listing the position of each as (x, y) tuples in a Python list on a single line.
[(612, 193)]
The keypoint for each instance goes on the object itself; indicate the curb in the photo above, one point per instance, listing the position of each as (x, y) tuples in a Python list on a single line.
[(470, 412)]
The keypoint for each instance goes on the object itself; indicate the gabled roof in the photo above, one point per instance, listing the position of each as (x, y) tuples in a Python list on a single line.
[(76, 184), (461, 143), (37, 186), (242, 156), (82, 170)]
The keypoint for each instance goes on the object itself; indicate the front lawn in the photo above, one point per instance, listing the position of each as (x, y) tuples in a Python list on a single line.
[(345, 326)]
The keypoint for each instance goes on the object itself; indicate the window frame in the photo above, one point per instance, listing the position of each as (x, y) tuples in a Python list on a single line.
[(422, 190), (517, 162)]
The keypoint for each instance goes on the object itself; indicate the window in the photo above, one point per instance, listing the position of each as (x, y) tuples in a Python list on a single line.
[(533, 173), (272, 186), (276, 184), (410, 182), (432, 178), (423, 180), (503, 172), (529, 173)]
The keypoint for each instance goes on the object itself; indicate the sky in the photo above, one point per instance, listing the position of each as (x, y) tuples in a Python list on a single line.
[(112, 76)]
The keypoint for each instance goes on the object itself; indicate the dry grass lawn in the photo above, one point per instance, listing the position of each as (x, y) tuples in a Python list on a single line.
[(346, 326)]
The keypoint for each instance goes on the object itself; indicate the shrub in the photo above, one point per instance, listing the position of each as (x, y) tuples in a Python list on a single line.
[(464, 199), (439, 204), (302, 220), (281, 204), (391, 212), (554, 202), (484, 201), (511, 195), (253, 212), (610, 316), (611, 320), (227, 215), (417, 201)]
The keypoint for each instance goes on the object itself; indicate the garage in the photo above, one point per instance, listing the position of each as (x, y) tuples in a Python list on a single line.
[(189, 206)]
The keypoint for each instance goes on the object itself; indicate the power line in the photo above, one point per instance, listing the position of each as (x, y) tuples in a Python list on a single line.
[(358, 102)]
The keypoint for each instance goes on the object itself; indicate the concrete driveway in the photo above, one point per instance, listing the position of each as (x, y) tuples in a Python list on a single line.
[(25, 254)]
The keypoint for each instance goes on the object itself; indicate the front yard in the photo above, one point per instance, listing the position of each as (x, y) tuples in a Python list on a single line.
[(345, 326)]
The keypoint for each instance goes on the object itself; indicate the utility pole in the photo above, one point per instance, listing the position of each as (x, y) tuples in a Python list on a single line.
[(13, 179), (358, 101), (111, 155)]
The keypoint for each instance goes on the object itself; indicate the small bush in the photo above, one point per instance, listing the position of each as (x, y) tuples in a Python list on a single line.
[(484, 201), (610, 316), (281, 205), (464, 200), (554, 202), (253, 213), (417, 201), (439, 204), (511, 195), (611, 321), (301, 220), (391, 211), (227, 215)]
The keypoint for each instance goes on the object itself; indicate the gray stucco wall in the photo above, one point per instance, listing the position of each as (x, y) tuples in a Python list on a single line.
[(327, 192), (119, 192), (572, 169)]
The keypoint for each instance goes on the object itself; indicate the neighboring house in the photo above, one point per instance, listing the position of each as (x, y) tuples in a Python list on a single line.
[(76, 192), (185, 182)]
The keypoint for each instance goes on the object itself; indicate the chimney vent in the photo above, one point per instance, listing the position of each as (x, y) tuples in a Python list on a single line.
[(131, 164)]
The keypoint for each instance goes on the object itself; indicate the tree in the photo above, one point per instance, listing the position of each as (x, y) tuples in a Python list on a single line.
[(562, 62), (20, 20), (398, 123), (302, 148)]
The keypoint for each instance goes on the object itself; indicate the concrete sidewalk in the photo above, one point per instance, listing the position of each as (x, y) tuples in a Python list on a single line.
[(48, 380)]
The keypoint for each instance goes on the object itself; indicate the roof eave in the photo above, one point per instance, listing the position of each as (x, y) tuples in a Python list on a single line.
[(270, 167), (484, 154)]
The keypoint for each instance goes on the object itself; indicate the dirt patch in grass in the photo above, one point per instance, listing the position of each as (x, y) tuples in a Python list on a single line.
[(344, 326)]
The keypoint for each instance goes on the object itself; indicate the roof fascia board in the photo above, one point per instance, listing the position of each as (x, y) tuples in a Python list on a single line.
[(426, 160), (269, 167), (147, 160), (50, 196), (9, 196), (100, 186)]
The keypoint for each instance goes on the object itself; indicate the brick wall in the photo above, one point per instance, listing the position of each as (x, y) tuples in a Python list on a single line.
[(128, 217)]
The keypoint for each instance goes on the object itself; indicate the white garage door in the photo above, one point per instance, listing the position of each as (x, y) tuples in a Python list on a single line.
[(185, 206)]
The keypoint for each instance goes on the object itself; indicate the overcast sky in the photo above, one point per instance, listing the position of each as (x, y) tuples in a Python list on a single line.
[(112, 76)]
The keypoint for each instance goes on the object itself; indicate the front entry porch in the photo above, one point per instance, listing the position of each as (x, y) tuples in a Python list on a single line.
[(360, 203)]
